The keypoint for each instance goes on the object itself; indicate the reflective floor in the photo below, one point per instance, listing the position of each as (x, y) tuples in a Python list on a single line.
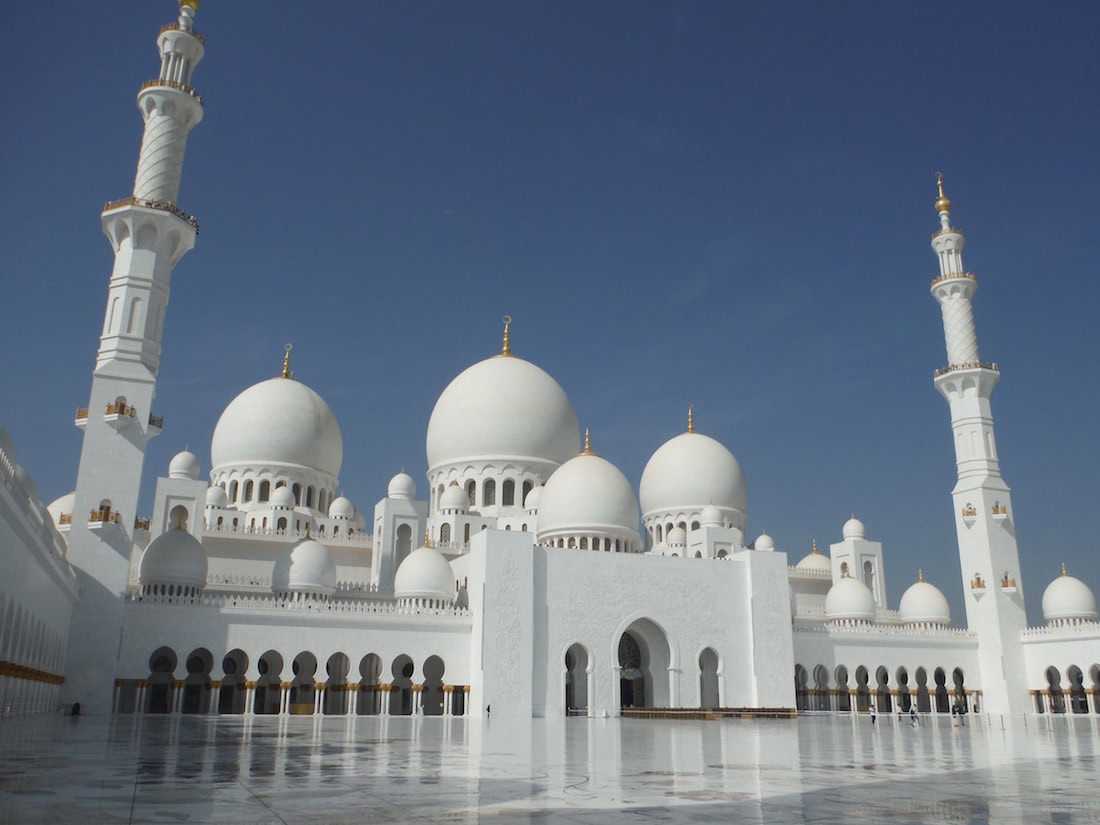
[(246, 771)]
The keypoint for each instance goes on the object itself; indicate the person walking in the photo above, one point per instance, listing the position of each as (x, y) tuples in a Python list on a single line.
[(874, 714), (914, 719)]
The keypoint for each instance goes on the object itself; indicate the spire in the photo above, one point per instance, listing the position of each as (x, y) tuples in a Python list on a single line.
[(187, 13), (286, 361), (587, 443), (814, 550), (1064, 571), (920, 575), (506, 349), (691, 418), (942, 203)]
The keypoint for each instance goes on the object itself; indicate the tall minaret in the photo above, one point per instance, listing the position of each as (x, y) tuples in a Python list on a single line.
[(149, 234), (993, 588)]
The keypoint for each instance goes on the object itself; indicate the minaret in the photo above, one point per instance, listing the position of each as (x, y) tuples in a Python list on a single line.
[(990, 562), (149, 234)]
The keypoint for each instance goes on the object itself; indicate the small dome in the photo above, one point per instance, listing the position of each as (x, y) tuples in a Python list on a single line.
[(279, 422), (688, 472), (282, 497), (854, 529), (425, 574), (305, 567), (850, 600), (454, 498), (588, 495), (216, 497), (676, 537), (175, 557), (402, 486), (502, 408), (710, 516), (923, 603), (341, 507), (534, 499), (766, 543), (1067, 597), (184, 465), (814, 562)]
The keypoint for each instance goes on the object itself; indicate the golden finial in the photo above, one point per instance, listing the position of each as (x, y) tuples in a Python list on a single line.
[(307, 531), (920, 575), (942, 203), (286, 360), (587, 443), (507, 348), (814, 551), (193, 4), (691, 418), (427, 536), (1064, 571)]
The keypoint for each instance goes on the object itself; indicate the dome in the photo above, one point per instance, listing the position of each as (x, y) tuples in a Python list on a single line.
[(305, 567), (676, 537), (184, 465), (814, 562), (64, 504), (454, 498), (767, 543), (690, 471), (282, 497), (1067, 597), (850, 599), (279, 422), (854, 529), (216, 497), (402, 486), (534, 499), (175, 557), (923, 603), (425, 574), (588, 495), (710, 516), (341, 507), (502, 407)]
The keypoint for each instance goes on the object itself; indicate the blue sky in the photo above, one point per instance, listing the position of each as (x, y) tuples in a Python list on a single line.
[(712, 202)]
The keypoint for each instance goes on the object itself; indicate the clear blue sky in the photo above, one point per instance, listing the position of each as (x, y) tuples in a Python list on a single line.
[(716, 202)]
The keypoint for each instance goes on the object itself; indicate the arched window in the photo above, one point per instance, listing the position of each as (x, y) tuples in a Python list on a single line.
[(527, 487), (232, 491), (248, 491), (489, 493), (265, 491), (297, 489), (508, 493), (584, 542), (471, 492), (466, 532), (280, 524), (445, 534), (869, 575), (695, 525), (309, 496)]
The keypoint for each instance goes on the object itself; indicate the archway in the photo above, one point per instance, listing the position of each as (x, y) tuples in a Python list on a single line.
[(576, 680), (708, 679), (882, 689), (863, 693), (905, 701), (924, 702), (960, 690), (302, 696), (370, 674), (821, 689), (943, 702), (196, 686), (644, 659), (162, 668), (404, 544), (1057, 698), (401, 687), (232, 694), (336, 687), (843, 698), (431, 692), (1078, 698), (268, 691), (799, 687)]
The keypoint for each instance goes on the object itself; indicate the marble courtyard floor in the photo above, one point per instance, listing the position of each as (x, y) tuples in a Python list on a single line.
[(247, 771)]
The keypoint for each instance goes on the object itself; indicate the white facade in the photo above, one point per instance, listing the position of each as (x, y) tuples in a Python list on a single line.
[(529, 578)]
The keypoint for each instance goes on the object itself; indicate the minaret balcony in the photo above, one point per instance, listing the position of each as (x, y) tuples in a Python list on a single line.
[(1000, 512), (950, 276), (163, 206), (1008, 584), (156, 424), (65, 522), (951, 230), (120, 415), (176, 27), (102, 518), (969, 514), (81, 419), (969, 365), (141, 524), (172, 84), (977, 587)]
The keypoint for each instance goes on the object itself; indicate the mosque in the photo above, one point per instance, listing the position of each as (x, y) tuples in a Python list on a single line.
[(524, 574)]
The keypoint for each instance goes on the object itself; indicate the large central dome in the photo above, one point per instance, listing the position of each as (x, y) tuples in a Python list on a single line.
[(502, 408), (279, 422)]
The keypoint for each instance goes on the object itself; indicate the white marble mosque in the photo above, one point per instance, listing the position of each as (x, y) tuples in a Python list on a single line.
[(523, 573)]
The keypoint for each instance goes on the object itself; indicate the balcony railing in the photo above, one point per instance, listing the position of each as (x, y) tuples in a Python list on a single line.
[(156, 421), (65, 518), (119, 408), (176, 27), (163, 206), (951, 230), (969, 365), (172, 84), (104, 515), (141, 523), (950, 276), (81, 413)]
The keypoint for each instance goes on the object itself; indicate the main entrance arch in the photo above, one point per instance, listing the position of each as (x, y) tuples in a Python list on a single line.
[(644, 658)]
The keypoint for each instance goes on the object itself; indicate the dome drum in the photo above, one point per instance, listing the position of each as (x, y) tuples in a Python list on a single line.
[(496, 490), (253, 487)]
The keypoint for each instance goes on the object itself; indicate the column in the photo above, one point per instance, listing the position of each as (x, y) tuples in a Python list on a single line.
[(351, 693), (249, 698), (384, 700)]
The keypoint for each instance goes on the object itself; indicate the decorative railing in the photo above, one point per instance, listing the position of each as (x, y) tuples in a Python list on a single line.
[(951, 230), (156, 421), (969, 511), (1000, 510), (1063, 627), (141, 523), (81, 413), (172, 84), (356, 537), (977, 583), (867, 629), (65, 518), (163, 206), (176, 27), (299, 603), (969, 365), (104, 515), (119, 408), (950, 276)]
